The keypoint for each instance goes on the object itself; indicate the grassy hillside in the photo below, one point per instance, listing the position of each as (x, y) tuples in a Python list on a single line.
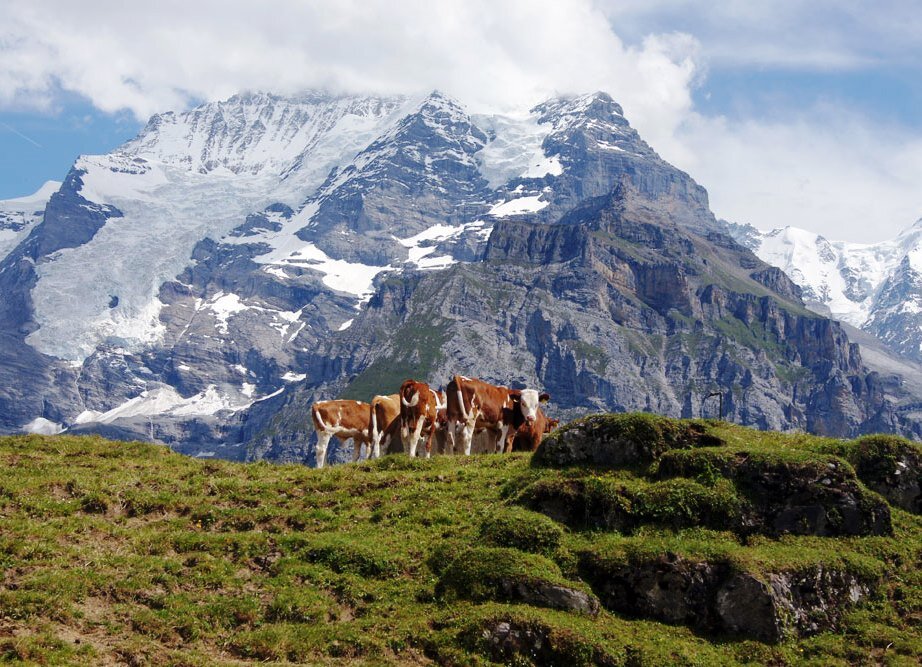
[(123, 553)]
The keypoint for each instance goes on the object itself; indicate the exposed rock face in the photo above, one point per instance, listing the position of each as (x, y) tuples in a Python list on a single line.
[(240, 260), (618, 441), (891, 466), (715, 597), (810, 497), (508, 639), (631, 311)]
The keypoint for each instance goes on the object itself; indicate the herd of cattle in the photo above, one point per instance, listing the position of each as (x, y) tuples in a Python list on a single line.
[(510, 419)]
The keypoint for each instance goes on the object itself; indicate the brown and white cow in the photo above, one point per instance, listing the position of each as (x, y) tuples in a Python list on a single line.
[(528, 435), (474, 405), (419, 406), (342, 419), (384, 410)]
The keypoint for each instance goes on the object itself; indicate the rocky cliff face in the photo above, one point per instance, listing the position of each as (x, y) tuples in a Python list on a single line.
[(206, 282), (631, 310)]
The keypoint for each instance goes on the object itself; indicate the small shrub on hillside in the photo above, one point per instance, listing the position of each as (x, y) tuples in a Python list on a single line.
[(523, 530)]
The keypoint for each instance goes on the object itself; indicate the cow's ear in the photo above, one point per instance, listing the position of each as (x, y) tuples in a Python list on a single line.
[(545, 397)]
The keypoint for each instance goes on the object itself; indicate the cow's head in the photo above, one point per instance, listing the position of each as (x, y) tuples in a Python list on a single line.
[(530, 400)]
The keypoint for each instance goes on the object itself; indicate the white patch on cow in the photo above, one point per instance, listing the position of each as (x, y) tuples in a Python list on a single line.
[(413, 403), (417, 434)]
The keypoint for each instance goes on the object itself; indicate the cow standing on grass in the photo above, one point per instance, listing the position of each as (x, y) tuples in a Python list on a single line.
[(384, 410), (528, 435), (419, 406), (343, 420), (474, 405)]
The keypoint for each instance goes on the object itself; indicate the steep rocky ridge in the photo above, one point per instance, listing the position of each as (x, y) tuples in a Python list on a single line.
[(631, 310)]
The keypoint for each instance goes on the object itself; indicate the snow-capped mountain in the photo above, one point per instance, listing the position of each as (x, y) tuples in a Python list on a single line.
[(185, 285), (18, 216), (875, 287)]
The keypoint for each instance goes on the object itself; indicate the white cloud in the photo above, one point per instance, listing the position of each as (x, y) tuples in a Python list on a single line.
[(153, 56), (830, 172), (814, 169)]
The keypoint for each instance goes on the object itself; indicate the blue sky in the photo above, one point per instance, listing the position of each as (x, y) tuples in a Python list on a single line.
[(41, 145), (790, 112)]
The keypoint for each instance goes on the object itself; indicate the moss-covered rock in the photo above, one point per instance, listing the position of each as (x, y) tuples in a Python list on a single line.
[(492, 573), (588, 502), (798, 493), (513, 639), (685, 502), (520, 529), (620, 440), (890, 465), (715, 595), (598, 503)]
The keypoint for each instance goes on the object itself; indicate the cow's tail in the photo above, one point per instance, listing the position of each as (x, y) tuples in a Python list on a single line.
[(318, 420), (461, 398)]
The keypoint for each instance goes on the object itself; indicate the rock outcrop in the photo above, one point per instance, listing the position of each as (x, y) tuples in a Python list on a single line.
[(714, 596)]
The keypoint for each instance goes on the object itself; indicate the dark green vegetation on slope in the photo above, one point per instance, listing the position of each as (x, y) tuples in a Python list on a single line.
[(122, 552)]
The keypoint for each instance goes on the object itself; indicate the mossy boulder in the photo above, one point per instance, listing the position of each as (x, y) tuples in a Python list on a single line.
[(520, 529), (513, 639), (619, 440), (891, 466), (684, 502), (716, 595), (598, 503), (587, 502), (798, 493), (500, 574)]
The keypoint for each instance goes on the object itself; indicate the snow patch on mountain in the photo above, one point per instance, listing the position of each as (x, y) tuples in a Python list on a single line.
[(875, 287), (297, 138), (165, 213), (42, 426), (18, 216), (522, 205), (165, 400), (515, 149)]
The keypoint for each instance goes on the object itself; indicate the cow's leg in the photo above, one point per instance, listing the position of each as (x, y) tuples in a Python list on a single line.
[(405, 435), (385, 444), (356, 449), (451, 430), (320, 454), (467, 436), (374, 449), (429, 442), (417, 436), (501, 443), (376, 444)]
